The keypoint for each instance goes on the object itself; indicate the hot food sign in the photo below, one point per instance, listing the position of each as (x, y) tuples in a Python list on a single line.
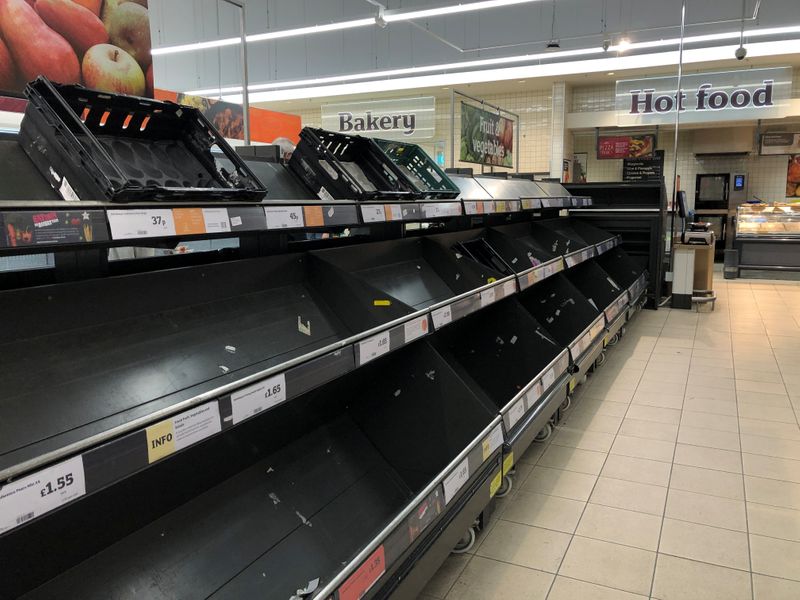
[(704, 97)]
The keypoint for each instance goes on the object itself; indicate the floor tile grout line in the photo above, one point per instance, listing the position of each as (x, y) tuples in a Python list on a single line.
[(741, 462), (669, 481)]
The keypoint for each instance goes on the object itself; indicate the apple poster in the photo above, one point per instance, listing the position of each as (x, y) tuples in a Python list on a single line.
[(102, 44)]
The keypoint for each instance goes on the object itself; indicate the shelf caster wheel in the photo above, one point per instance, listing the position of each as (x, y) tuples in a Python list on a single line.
[(622, 331), (544, 434), (583, 379), (566, 403), (505, 487), (600, 360), (466, 543), (614, 338)]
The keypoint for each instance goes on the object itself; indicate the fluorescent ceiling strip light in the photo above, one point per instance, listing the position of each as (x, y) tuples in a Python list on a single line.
[(340, 25), (451, 10), (616, 63), (494, 61)]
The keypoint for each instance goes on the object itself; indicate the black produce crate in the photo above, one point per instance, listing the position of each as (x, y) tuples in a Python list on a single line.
[(92, 145), (478, 246), (347, 167), (595, 283), (422, 172), (497, 351), (621, 266), (523, 246), (559, 307), (577, 230)]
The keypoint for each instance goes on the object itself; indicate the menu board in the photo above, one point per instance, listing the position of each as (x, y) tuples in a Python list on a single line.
[(780, 143), (644, 169), (625, 146)]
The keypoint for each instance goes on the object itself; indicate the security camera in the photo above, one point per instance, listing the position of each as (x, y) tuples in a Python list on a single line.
[(606, 45), (740, 53)]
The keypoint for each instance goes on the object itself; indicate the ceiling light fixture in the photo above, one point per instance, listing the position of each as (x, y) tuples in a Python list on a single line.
[(550, 56), (555, 69), (381, 20)]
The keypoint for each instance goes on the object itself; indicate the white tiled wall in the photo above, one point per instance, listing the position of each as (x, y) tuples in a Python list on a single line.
[(595, 98), (767, 174), (533, 108)]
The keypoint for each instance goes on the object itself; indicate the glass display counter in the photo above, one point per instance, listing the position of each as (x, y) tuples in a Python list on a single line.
[(768, 237)]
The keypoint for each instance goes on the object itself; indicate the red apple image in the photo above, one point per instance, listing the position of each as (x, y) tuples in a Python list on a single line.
[(129, 28), (92, 5), (111, 69)]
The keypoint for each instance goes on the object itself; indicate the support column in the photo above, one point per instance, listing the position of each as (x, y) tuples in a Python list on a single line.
[(560, 137)]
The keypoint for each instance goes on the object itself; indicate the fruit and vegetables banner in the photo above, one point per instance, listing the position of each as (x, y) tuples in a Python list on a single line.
[(625, 146), (486, 137), (102, 44), (266, 126)]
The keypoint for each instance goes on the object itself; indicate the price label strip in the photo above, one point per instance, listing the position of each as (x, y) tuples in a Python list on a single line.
[(415, 328), (37, 494), (361, 581), (516, 412), (492, 442), (442, 316), (258, 397)]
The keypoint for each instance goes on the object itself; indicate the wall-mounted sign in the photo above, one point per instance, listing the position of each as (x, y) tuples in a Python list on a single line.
[(486, 137), (780, 143), (625, 146), (400, 119), (644, 169), (724, 96)]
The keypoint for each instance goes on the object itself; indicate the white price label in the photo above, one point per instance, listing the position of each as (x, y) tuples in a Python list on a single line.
[(471, 208), (373, 213), (442, 316), (487, 297), (373, 347), (516, 412), (415, 328), (547, 271), (456, 480), (216, 220), (284, 217), (548, 379), (489, 207), (236, 221), (132, 223), (509, 287), (492, 442), (253, 399), (396, 210), (533, 395), (37, 494), (67, 192)]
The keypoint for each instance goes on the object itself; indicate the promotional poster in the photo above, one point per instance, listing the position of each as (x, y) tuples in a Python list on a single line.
[(486, 137)]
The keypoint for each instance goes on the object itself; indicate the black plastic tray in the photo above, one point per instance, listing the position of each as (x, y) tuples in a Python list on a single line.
[(621, 266), (498, 350), (107, 351), (595, 283), (559, 307), (347, 167), (92, 145), (524, 246)]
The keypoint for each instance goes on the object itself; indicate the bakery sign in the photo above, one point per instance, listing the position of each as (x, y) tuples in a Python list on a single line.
[(396, 119), (704, 97)]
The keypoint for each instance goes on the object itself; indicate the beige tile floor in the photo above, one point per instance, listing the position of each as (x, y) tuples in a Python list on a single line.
[(675, 476)]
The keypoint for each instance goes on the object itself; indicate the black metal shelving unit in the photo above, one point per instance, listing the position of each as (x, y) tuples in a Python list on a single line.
[(197, 423)]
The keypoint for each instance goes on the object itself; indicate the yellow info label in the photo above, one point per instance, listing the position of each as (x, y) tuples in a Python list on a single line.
[(160, 440), (496, 483), (508, 463), (571, 385)]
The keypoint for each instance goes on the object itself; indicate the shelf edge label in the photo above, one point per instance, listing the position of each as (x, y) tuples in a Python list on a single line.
[(492, 442), (25, 499), (442, 316), (455, 480), (373, 347), (284, 217), (361, 581), (415, 328), (258, 397)]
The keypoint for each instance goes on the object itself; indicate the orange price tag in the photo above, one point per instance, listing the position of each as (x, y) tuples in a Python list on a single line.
[(189, 221), (313, 215)]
